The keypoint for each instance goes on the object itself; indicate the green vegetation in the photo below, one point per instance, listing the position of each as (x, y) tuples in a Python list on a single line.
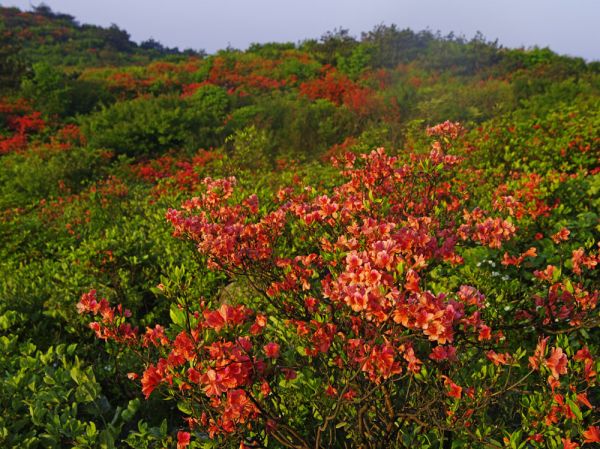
[(102, 138)]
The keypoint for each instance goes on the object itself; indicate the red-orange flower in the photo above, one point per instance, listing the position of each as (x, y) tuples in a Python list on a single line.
[(454, 390), (183, 439), (557, 362), (271, 350), (592, 435), (568, 444), (151, 378)]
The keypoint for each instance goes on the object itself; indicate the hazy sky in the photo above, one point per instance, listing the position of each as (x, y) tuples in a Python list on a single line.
[(566, 26)]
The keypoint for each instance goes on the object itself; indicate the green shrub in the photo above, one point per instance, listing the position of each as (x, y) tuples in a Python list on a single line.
[(146, 126)]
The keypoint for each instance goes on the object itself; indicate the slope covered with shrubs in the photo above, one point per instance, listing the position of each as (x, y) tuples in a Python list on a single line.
[(384, 241)]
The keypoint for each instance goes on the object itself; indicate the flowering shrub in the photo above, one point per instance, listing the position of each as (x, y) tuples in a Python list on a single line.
[(440, 296), (358, 323), (20, 121), (339, 89)]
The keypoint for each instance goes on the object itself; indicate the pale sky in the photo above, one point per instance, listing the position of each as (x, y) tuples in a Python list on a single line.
[(567, 26)]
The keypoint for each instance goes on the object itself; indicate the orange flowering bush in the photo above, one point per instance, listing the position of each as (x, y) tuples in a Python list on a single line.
[(362, 317), (21, 121)]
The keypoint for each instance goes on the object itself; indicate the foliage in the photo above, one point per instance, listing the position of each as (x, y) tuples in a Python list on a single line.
[(360, 318), (58, 39), (439, 293), (146, 126), (50, 400)]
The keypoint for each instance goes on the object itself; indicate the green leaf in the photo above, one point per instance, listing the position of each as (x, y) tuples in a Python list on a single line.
[(184, 407), (131, 410), (91, 429), (569, 286), (107, 440), (575, 409), (177, 316)]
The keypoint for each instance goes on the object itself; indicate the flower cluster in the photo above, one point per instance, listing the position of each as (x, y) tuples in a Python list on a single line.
[(342, 299), (111, 325)]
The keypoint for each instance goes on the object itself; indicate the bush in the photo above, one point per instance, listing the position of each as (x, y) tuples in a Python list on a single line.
[(50, 400), (363, 315), (26, 178), (146, 126)]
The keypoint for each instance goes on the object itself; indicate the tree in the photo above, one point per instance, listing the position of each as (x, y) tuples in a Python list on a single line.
[(48, 89), (393, 46), (12, 66)]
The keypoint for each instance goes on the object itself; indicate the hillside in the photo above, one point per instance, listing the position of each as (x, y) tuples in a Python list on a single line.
[(380, 241)]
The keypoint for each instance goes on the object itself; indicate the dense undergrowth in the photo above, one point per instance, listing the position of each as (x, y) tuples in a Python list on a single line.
[(293, 252)]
